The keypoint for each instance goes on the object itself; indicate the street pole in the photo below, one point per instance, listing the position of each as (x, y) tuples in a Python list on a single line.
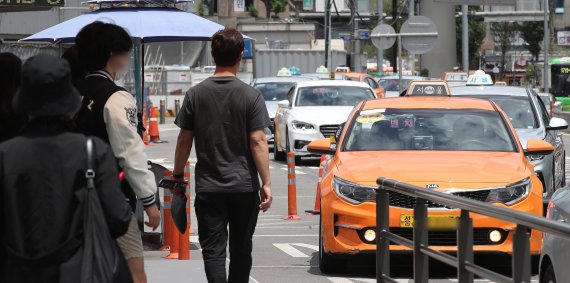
[(327, 33), (546, 42), (355, 56), (399, 39), (411, 56), (465, 38), (380, 52)]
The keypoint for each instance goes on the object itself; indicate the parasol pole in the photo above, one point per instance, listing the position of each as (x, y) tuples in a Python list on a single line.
[(136, 75)]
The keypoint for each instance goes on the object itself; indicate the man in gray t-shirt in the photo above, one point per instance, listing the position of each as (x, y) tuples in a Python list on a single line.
[(226, 119)]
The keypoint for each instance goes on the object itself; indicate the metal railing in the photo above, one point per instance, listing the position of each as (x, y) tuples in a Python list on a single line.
[(464, 261)]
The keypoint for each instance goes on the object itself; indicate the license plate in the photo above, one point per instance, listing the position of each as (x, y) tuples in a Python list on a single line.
[(435, 222)]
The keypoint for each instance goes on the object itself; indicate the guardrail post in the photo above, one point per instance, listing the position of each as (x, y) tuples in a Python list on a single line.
[(382, 243), (464, 247), (421, 260), (521, 255), (176, 107), (162, 111)]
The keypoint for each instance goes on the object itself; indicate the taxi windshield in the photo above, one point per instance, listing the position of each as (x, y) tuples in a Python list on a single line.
[(518, 109), (274, 91), (429, 129), (392, 84), (332, 95)]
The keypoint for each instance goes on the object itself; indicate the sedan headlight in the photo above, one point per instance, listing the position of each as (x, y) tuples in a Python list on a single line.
[(298, 125), (510, 194), (353, 193)]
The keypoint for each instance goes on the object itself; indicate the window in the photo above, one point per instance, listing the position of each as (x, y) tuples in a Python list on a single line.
[(519, 109), (559, 6), (332, 95), (274, 91), (429, 129)]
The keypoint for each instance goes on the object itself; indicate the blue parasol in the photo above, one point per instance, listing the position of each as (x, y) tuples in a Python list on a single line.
[(149, 24)]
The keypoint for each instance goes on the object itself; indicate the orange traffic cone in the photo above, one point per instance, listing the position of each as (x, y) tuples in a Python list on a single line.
[(145, 133), (317, 207), (153, 127)]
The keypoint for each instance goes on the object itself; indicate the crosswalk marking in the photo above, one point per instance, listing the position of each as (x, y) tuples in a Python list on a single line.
[(289, 248)]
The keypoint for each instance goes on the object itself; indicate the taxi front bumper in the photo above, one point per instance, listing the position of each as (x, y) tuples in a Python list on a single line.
[(344, 225)]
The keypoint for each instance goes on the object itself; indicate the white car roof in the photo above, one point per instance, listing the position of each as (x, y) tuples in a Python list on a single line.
[(332, 83), (489, 90), (418, 78), (292, 79)]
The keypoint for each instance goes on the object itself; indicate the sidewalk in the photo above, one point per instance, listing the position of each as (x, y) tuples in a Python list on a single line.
[(160, 270)]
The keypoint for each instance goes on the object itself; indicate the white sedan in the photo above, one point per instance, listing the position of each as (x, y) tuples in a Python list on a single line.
[(313, 110)]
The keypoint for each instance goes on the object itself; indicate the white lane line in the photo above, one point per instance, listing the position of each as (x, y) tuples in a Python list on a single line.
[(290, 250), (339, 280), (168, 129)]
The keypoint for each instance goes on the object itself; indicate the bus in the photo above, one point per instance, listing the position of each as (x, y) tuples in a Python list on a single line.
[(559, 72)]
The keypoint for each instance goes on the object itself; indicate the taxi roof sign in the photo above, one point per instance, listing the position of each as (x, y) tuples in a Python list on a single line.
[(295, 70), (455, 76), (479, 78), (322, 70), (284, 72), (428, 88)]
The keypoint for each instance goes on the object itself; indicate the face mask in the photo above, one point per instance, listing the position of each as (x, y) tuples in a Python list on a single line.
[(122, 73)]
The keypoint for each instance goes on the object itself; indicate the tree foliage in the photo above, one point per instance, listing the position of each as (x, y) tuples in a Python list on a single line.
[(279, 6), (477, 31), (532, 33)]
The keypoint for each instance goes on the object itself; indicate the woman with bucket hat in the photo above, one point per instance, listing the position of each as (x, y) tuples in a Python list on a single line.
[(43, 173)]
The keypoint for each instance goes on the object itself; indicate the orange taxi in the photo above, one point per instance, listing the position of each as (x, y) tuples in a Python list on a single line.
[(361, 77), (461, 146)]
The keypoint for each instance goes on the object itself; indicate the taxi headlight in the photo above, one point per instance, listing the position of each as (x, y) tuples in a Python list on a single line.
[(298, 125), (353, 193), (510, 194)]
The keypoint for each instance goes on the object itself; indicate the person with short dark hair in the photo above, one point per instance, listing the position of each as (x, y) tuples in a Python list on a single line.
[(78, 72), (10, 69), (110, 112), (226, 119), (43, 181)]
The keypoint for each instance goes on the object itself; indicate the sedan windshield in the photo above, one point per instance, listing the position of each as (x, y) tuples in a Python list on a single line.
[(429, 129), (518, 109), (332, 95), (392, 84), (274, 91)]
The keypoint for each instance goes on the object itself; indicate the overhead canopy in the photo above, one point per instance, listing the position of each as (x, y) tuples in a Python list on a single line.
[(148, 24)]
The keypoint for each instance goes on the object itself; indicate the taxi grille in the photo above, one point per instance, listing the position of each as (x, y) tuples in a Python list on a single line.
[(474, 195), (449, 238), (328, 130), (405, 201)]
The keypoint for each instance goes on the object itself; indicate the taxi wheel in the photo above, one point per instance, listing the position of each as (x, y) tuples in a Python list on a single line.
[(328, 264), (548, 275)]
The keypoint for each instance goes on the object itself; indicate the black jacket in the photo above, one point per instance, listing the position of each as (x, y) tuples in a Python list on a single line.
[(40, 171)]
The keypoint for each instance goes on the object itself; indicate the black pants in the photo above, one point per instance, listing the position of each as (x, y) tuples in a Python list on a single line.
[(214, 212)]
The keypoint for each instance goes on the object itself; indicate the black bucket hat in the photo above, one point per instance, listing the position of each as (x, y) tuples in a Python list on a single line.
[(46, 88)]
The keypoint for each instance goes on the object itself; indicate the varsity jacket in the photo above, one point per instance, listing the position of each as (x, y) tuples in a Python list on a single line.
[(110, 113)]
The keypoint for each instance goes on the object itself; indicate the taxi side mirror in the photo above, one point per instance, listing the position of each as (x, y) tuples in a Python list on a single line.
[(321, 146), (538, 147), (557, 124), (283, 103)]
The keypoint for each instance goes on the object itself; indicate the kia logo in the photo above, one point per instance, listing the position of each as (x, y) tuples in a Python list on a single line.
[(432, 186)]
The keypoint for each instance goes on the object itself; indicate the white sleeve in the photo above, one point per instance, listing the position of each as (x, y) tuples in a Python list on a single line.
[(120, 115)]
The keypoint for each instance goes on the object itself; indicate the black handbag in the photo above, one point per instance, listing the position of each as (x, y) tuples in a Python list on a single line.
[(102, 260)]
